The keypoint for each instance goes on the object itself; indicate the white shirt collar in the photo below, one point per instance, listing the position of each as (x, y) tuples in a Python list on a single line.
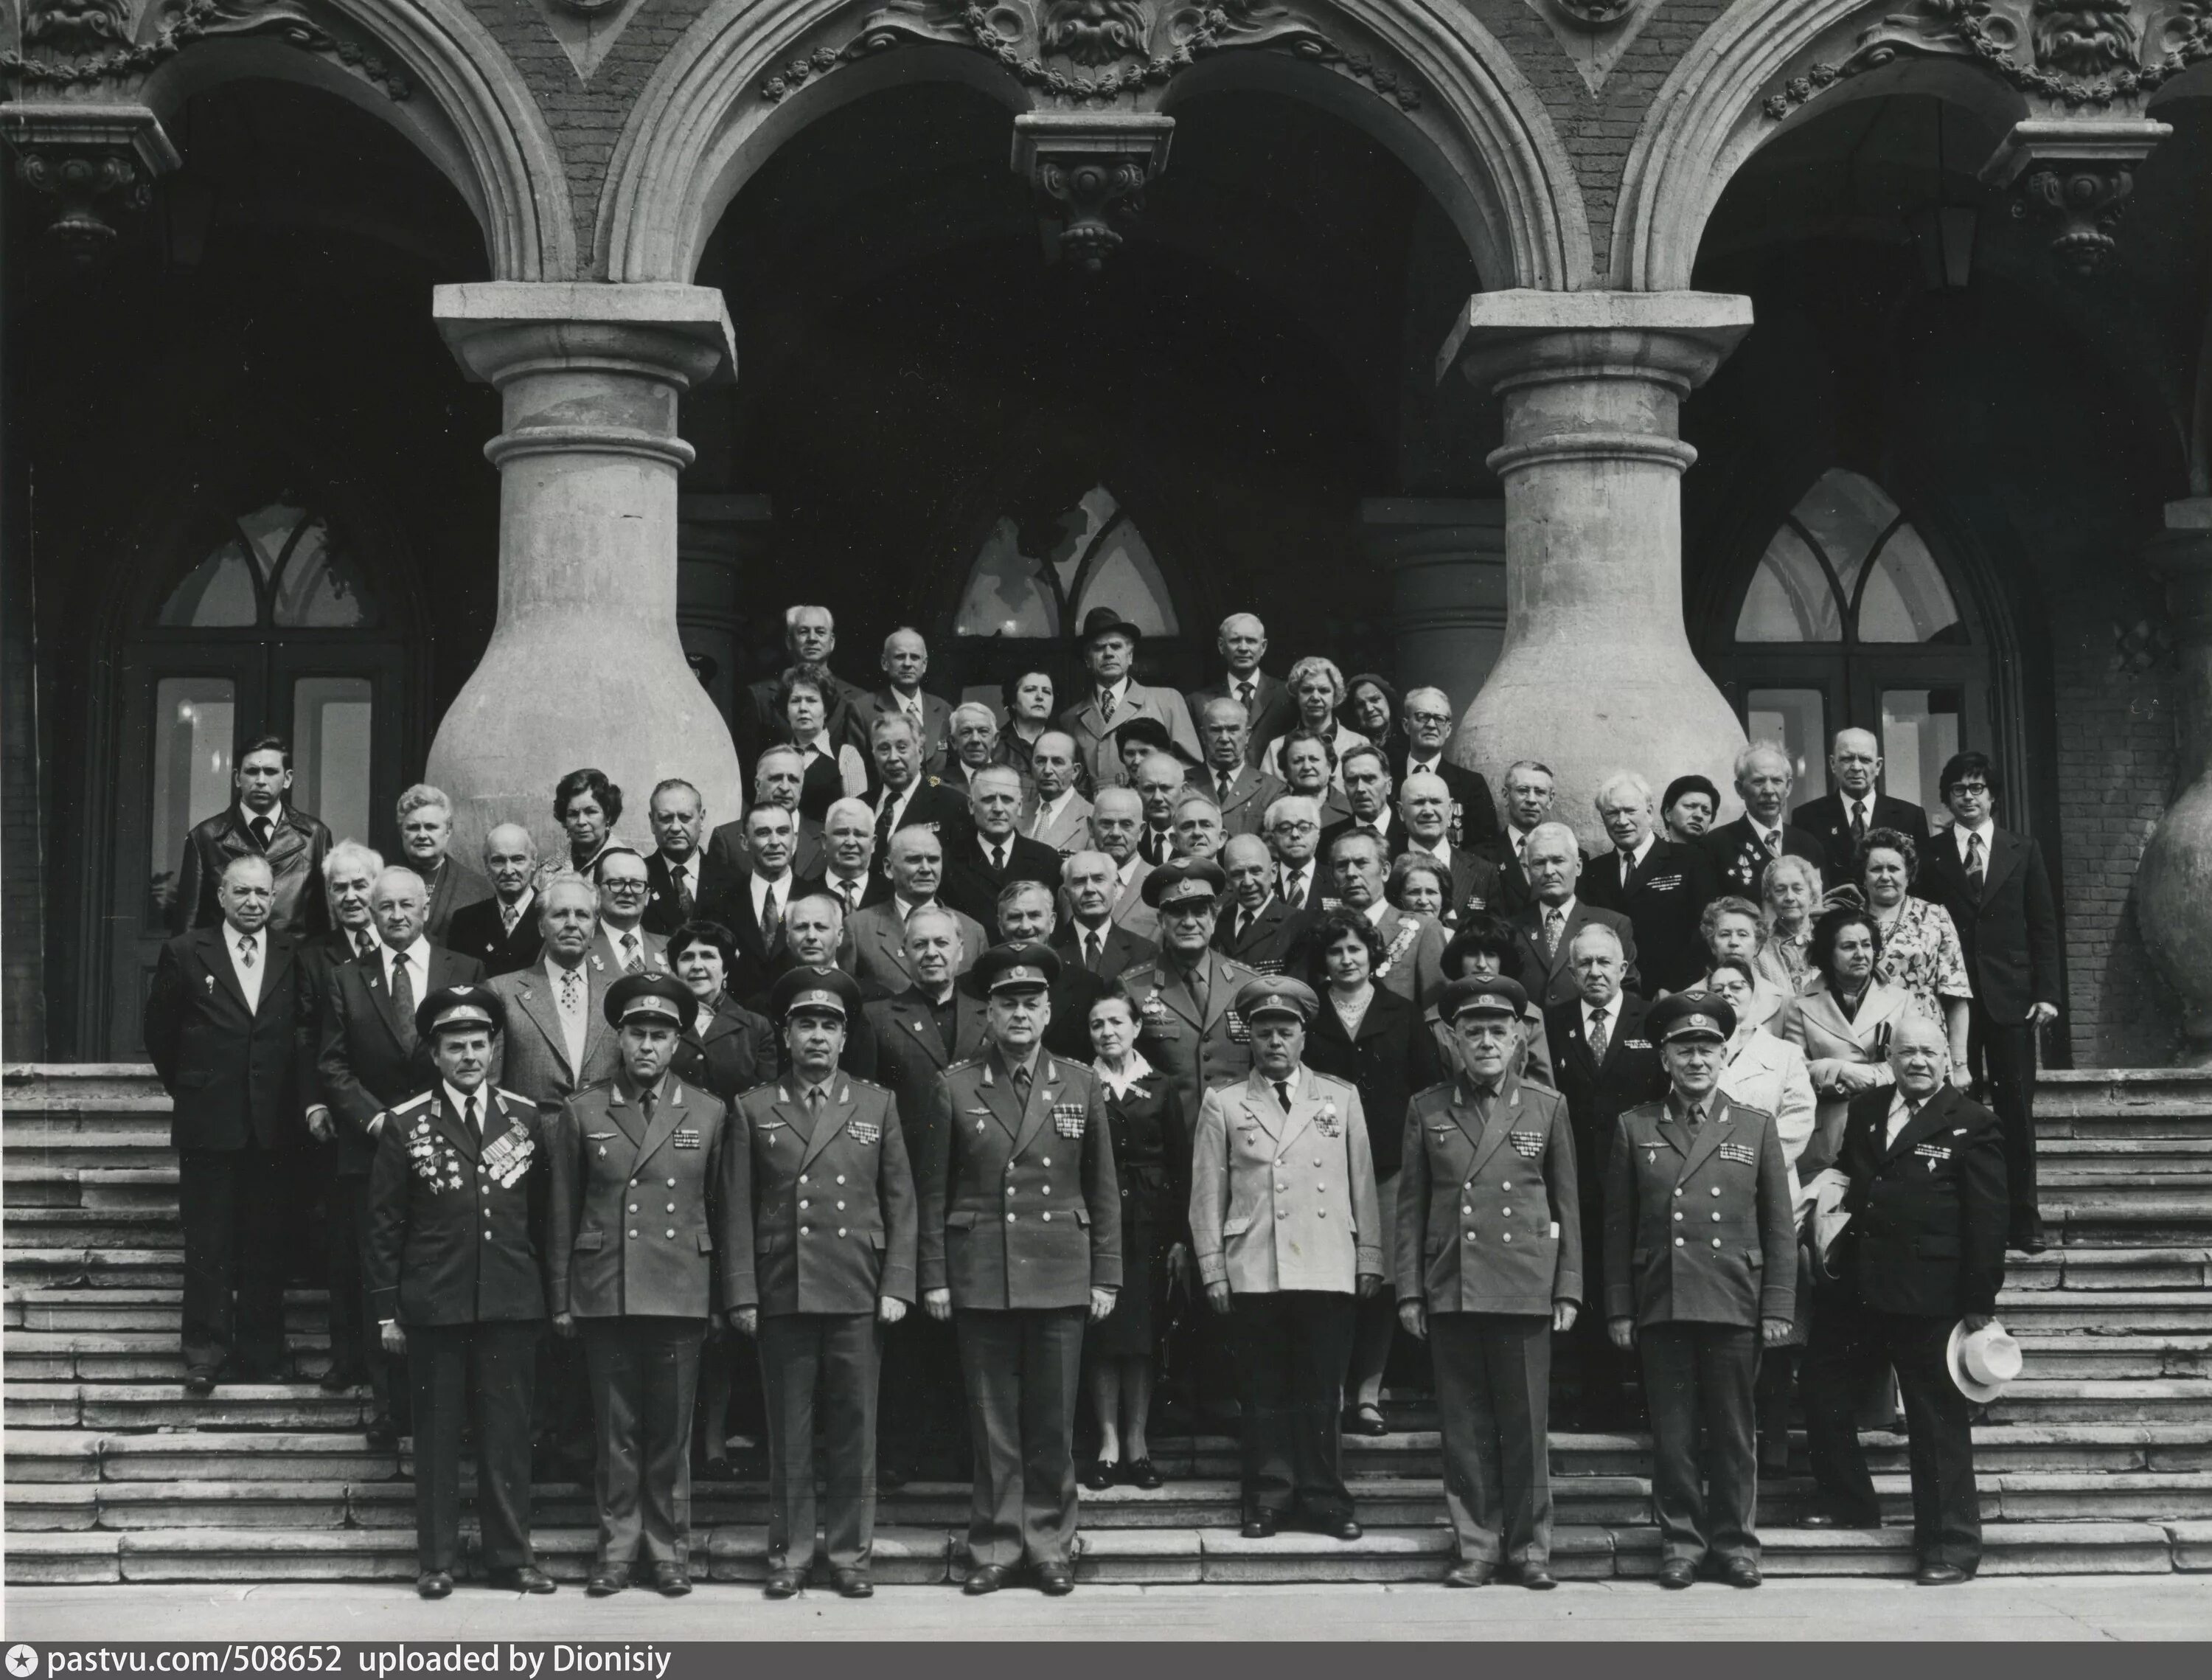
[(1610, 1010), (763, 885), (906, 907), (1565, 908), (1760, 829), (1643, 850), (246, 818), (1431, 765), (1441, 850), (1129, 868), (1052, 808), (681, 868), (1987, 830), (1376, 911), (417, 954), (232, 935), (459, 1099), (1119, 690), (614, 934)]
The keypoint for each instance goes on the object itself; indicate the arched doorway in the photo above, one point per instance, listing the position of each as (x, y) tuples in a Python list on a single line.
[(273, 621), (1848, 621)]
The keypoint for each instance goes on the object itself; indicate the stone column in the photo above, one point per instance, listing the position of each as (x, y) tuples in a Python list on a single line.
[(1447, 561), (585, 666), (720, 547), (2173, 883), (1595, 674)]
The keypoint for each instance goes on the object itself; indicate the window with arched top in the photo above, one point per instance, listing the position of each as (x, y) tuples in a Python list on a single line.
[(280, 568), (1095, 558), (1850, 621)]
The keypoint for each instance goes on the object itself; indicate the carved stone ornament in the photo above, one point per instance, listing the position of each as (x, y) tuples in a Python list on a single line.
[(1595, 34), (2069, 54), (2074, 175), (1092, 167), (1589, 14), (80, 44), (1095, 51), (99, 162)]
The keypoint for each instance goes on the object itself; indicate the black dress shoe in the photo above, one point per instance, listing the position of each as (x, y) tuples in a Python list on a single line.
[(1100, 1477), (1338, 1528), (527, 1578), (1739, 1572), (382, 1437), (1055, 1580), (1142, 1473), (670, 1581), (852, 1582), (605, 1583), (984, 1578), (1471, 1575), (199, 1381), (1261, 1527), (1941, 1575), (781, 1584), (1536, 1577), (340, 1377), (1677, 1573), (433, 1584), (1365, 1420)]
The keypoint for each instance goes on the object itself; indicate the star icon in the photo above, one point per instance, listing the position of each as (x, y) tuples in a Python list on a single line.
[(22, 1661)]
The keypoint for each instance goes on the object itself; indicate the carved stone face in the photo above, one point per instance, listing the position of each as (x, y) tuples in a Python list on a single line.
[(2085, 38), (1095, 32)]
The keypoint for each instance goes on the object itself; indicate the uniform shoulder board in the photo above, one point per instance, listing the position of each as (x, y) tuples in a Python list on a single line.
[(1645, 1110), (1440, 1093), (507, 1095), (413, 1102), (963, 1067), (1332, 1079), (1231, 964), (859, 1084), (1746, 1109), (752, 1090)]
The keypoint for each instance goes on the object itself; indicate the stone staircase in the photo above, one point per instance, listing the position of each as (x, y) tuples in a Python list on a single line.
[(2099, 1461)]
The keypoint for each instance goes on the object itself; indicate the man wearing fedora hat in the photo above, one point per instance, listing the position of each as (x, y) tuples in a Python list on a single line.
[(825, 1249), (1917, 1271), (1700, 1257), (645, 1242), (1109, 651), (1020, 1240), (457, 1204)]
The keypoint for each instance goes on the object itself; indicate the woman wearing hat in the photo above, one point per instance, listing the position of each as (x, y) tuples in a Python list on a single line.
[(1287, 1236)]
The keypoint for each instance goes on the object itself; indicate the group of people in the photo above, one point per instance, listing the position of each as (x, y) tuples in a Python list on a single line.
[(1081, 1029)]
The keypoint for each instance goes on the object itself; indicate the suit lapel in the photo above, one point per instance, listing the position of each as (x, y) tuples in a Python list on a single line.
[(278, 965), (455, 1126), (1925, 1124), (627, 1115), (667, 1114), (373, 977), (1168, 986), (1504, 1110), (1708, 1137), (998, 1092), (917, 1024), (1258, 1100), (537, 1004), (2006, 850), (1303, 1106), (215, 956), (835, 1113)]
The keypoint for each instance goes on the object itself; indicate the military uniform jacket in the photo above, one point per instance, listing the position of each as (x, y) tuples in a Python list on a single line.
[(1699, 1225), (1020, 1207), (1284, 1200), (456, 1223), (644, 1217), (1489, 1218), (1929, 1212), (1197, 1049), (826, 1213)]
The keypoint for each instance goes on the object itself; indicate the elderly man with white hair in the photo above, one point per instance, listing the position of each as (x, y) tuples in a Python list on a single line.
[(1741, 850), (973, 729), (1429, 720), (1556, 913), (1662, 887), (1268, 707), (501, 932)]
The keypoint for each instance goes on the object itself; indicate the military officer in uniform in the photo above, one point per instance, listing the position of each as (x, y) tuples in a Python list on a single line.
[(825, 1255), (1287, 1236), (457, 1203), (646, 1186), (1187, 1023), (1700, 1268), (1489, 1265), (1021, 1229)]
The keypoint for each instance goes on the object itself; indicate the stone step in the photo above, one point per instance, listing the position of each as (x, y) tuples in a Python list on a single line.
[(83, 1228), (129, 1356), (2098, 1312), (306, 1312), (125, 1406), (96, 1268), (2102, 1098), (152, 1188), (2089, 1267), (2116, 1355)]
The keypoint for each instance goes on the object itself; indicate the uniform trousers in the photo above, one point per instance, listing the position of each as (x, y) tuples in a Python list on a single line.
[(1022, 1369), (488, 1371), (1700, 1376), (355, 1334), (2003, 1055), (921, 1430), (1494, 1399), (820, 1365), (644, 1375), (1851, 1345), (1292, 1346), (232, 1205)]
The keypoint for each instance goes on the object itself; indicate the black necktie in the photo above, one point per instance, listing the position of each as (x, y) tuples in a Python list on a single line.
[(770, 922), (1022, 1086), (1975, 865), (468, 1114), (1244, 695), (402, 1000), (1283, 1093), (365, 942), (1222, 780), (1094, 950), (998, 858), (261, 827), (1858, 820), (682, 876)]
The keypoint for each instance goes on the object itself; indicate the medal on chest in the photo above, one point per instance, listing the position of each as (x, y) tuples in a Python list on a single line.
[(508, 1159), (1527, 1145), (866, 1132), (1326, 1120), (1068, 1119)]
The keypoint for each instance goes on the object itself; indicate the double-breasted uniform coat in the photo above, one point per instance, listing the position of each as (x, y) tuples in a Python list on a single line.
[(643, 1248), (1020, 1219), (456, 1221), (1489, 1243), (826, 1227)]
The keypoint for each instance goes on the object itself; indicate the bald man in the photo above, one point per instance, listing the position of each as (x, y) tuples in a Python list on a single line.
[(501, 932), (904, 662), (1269, 711), (1842, 818)]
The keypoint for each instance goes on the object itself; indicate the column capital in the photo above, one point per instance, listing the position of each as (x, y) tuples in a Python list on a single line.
[(1505, 340), (95, 159), (499, 329)]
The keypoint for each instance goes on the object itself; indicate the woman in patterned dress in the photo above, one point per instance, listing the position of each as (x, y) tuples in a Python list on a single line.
[(1920, 951)]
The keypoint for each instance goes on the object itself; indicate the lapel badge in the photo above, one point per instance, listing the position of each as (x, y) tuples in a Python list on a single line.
[(210, 978)]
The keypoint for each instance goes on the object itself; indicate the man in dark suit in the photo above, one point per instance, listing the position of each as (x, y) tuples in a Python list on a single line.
[(370, 1059), (456, 1253), (260, 824), (1016, 1131), (1841, 820), (809, 637), (1921, 1259), (904, 662), (225, 1028), (1530, 791), (1255, 926), (1994, 883), (1269, 711), (685, 880), (1025, 914), (426, 839), (1242, 792), (779, 774), (876, 935), (758, 901), (501, 932), (980, 864), (1548, 925), (1741, 850), (1093, 940), (1605, 1064), (905, 797), (1367, 787), (1660, 887), (1429, 720), (1471, 881)]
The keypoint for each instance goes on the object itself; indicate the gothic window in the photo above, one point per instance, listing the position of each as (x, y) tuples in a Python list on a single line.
[(1096, 557), (1847, 567), (282, 568)]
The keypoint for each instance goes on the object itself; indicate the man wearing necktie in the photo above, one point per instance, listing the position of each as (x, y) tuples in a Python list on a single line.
[(457, 1210), (646, 1184), (501, 932), (1700, 1262), (1740, 851), (1919, 1263), (979, 865), (1020, 1243), (1856, 807), (262, 823), (625, 889), (1489, 1267), (1268, 708)]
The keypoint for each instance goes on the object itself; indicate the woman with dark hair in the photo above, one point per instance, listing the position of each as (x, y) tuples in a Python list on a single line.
[(587, 807), (1368, 1036), (1920, 951), (1485, 947), (1371, 707), (1152, 1163), (1848, 1013), (1028, 702), (835, 770)]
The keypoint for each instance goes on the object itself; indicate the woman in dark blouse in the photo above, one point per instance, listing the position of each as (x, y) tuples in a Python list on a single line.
[(1370, 1036), (1151, 1162)]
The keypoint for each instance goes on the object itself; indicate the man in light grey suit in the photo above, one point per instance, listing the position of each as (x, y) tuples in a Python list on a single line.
[(557, 1040), (1547, 926), (1242, 792), (1056, 815), (1109, 651), (877, 934)]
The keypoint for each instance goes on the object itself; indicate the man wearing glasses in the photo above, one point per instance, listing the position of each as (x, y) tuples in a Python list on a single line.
[(1428, 715), (625, 944)]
